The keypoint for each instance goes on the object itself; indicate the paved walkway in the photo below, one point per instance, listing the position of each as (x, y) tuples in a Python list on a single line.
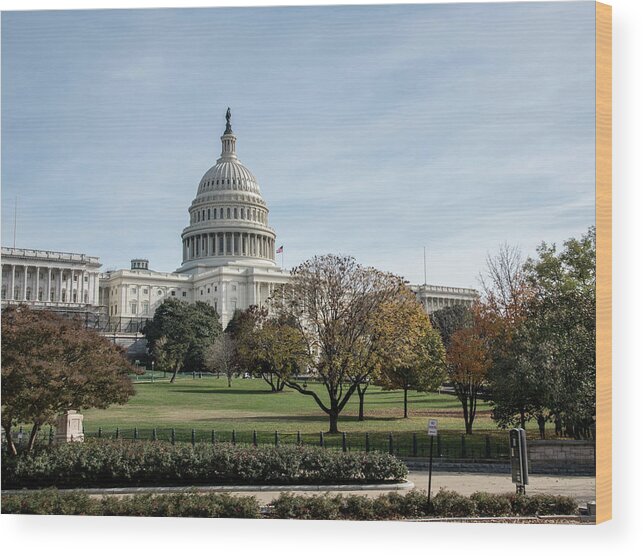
[(581, 489)]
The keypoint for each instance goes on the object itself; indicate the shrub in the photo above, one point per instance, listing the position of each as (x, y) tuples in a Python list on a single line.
[(542, 504), (289, 506), (122, 463), (447, 503), (491, 505), (357, 507), (49, 502), (54, 502)]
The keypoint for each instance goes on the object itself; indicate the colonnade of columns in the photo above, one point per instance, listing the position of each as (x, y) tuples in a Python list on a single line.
[(228, 243), (48, 284), (435, 303)]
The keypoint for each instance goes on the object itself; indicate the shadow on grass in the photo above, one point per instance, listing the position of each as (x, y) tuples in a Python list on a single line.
[(223, 390), (299, 419)]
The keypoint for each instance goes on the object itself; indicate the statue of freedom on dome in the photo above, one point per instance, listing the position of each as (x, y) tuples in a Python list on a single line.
[(228, 115)]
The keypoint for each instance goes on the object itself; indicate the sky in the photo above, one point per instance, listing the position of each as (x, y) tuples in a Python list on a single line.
[(373, 131)]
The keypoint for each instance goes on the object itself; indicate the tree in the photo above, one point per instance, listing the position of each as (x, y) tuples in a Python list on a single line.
[(275, 351), (334, 304), (468, 361), (395, 340), (450, 319), (422, 368), (51, 364), (515, 385), (561, 328), (221, 356), (178, 334)]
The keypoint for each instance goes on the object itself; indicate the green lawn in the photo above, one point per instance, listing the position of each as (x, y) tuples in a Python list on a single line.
[(208, 404)]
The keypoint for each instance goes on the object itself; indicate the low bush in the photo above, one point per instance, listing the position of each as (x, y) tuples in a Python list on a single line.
[(411, 505), (54, 502), (542, 504), (124, 463), (447, 503), (492, 505)]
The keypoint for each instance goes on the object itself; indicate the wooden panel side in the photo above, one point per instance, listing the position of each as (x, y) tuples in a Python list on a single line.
[(603, 262)]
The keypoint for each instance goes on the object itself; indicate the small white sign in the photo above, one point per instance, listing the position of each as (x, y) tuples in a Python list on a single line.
[(433, 427)]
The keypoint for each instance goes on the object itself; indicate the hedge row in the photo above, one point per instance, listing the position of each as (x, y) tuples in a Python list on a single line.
[(289, 506), (126, 463)]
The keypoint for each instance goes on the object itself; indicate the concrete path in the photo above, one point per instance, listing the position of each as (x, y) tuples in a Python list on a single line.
[(581, 489)]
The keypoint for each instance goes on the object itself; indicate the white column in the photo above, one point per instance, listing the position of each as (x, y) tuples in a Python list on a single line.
[(48, 298), (24, 282), (12, 293), (38, 284)]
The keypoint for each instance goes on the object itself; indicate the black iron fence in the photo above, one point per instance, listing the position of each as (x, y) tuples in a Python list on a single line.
[(448, 445)]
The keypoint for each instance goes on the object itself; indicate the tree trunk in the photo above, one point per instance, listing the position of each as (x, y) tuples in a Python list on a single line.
[(333, 418), (522, 418), (229, 381), (174, 373), (406, 403), (361, 394), (541, 426), (10, 444), (32, 437)]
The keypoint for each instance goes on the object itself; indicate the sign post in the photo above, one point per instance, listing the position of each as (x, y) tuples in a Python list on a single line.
[(433, 432), (518, 455)]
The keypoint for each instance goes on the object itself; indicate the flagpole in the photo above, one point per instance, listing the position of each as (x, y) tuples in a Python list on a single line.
[(425, 266)]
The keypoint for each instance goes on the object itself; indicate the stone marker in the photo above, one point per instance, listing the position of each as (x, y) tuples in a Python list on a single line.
[(69, 427)]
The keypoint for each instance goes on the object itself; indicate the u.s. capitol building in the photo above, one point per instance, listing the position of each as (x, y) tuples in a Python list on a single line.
[(228, 261)]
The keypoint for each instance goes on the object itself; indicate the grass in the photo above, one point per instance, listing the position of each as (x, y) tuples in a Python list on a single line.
[(207, 403)]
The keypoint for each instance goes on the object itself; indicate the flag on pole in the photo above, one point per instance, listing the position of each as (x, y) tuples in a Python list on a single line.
[(281, 249)]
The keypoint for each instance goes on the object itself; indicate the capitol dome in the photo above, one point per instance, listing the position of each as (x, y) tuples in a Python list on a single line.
[(228, 217)]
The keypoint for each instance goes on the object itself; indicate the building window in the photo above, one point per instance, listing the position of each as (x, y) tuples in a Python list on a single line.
[(185, 294), (134, 290), (234, 288), (208, 290), (221, 212), (214, 214), (146, 308), (173, 293), (201, 292), (227, 213), (215, 288), (40, 295), (51, 294), (28, 296), (208, 214), (144, 290), (133, 307), (236, 214), (160, 292), (4, 292)]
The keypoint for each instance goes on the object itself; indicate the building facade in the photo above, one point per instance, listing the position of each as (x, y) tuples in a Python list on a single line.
[(50, 279), (228, 261)]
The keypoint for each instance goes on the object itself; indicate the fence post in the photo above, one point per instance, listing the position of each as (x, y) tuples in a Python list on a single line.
[(193, 437), (415, 444), (135, 433), (254, 438), (234, 437), (343, 442), (154, 435), (117, 432), (367, 443), (298, 438), (321, 439), (463, 448), (173, 436), (100, 432), (390, 443), (214, 437), (487, 446), (193, 375), (276, 438)]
